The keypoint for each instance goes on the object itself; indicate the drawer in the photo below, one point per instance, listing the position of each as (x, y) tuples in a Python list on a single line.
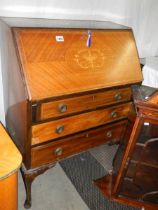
[(149, 113), (62, 148), (65, 126), (78, 104)]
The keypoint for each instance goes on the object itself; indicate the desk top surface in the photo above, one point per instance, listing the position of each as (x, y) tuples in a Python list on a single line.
[(145, 95), (59, 62), (10, 157)]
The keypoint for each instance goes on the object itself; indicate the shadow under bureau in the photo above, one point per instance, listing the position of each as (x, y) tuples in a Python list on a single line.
[(70, 90)]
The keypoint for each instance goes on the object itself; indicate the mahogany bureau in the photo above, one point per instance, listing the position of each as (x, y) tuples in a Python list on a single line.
[(74, 92)]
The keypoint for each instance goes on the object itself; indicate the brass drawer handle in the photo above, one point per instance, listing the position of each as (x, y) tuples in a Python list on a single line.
[(113, 114), (62, 108), (109, 134), (59, 129), (118, 96), (58, 151)]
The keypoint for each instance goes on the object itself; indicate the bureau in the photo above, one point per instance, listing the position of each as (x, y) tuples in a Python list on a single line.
[(70, 90)]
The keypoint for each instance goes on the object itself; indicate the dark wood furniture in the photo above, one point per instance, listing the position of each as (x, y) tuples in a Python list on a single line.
[(134, 179), (70, 90)]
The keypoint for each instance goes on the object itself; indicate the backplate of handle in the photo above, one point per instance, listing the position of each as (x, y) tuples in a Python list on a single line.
[(62, 108), (114, 114), (109, 134), (58, 151), (118, 96), (59, 129)]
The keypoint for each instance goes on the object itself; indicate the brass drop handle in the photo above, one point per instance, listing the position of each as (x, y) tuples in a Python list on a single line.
[(109, 134), (62, 108), (113, 114), (58, 151), (118, 96), (59, 129)]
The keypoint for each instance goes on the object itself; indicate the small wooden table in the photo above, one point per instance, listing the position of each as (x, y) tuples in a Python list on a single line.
[(10, 161)]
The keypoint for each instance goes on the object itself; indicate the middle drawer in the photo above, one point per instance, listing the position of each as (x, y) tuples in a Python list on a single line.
[(62, 127)]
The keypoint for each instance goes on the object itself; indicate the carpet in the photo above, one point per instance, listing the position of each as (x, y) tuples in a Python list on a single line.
[(82, 169)]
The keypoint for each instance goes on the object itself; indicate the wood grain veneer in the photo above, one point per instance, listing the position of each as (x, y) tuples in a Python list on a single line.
[(86, 102), (54, 68), (72, 145), (10, 161), (47, 131), (10, 157), (135, 166), (9, 193), (44, 74)]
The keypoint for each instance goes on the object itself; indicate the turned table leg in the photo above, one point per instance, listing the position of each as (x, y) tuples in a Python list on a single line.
[(28, 177)]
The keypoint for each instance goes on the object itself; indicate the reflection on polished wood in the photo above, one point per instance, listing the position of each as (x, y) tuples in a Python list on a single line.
[(69, 93), (9, 192), (47, 131), (10, 161), (10, 158), (56, 68), (134, 179), (81, 103), (45, 154)]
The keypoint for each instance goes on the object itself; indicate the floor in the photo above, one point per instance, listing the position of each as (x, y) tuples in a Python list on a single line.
[(54, 191)]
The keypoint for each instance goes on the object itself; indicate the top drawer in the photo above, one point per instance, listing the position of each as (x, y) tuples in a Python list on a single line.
[(80, 103)]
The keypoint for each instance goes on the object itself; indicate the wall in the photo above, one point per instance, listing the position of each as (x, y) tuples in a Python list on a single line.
[(4, 60), (2, 117), (141, 15)]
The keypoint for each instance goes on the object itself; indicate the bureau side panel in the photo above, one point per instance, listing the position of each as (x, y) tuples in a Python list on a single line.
[(16, 103)]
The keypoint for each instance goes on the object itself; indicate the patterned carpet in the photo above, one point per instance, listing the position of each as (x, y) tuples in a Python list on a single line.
[(82, 169)]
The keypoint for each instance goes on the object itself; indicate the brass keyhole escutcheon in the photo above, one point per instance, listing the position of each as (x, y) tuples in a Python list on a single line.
[(59, 129), (118, 96), (58, 151), (62, 108)]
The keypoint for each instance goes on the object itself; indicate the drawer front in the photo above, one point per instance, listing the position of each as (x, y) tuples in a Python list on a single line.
[(149, 113), (62, 148), (58, 128), (77, 104)]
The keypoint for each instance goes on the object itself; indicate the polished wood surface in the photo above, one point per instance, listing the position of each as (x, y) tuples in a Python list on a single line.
[(9, 192), (10, 161), (59, 88), (77, 143), (104, 184), (55, 68), (10, 157), (16, 103), (153, 99), (86, 102), (47, 131), (134, 177)]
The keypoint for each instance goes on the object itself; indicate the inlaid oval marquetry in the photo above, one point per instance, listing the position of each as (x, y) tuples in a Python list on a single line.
[(54, 68)]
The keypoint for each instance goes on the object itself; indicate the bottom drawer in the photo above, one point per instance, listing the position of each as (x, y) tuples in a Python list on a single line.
[(65, 147)]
